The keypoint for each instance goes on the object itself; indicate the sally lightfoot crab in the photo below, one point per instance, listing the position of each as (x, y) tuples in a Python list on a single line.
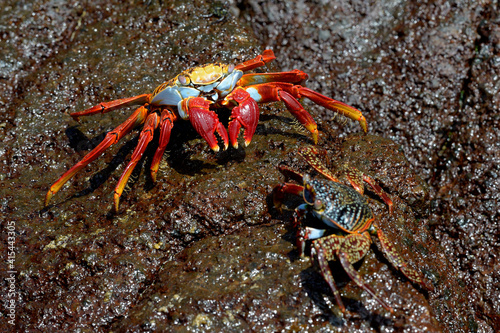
[(196, 94), (348, 223)]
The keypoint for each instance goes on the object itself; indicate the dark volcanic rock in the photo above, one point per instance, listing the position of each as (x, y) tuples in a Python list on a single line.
[(203, 249), (427, 75)]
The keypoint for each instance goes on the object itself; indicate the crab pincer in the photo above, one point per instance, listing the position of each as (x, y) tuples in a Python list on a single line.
[(205, 121), (246, 114)]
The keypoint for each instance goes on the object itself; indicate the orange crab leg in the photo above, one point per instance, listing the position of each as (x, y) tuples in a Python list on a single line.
[(113, 105), (300, 113), (333, 105), (395, 258), (145, 137), (379, 191), (354, 275), (320, 253), (112, 137), (349, 249), (259, 61), (166, 124), (273, 92), (310, 155), (354, 176), (296, 76), (268, 92)]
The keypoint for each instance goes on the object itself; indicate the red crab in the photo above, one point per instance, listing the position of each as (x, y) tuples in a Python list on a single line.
[(196, 94)]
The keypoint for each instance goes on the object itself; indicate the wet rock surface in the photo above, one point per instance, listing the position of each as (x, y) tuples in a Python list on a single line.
[(202, 249)]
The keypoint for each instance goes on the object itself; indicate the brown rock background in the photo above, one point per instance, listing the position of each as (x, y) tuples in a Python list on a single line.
[(203, 249)]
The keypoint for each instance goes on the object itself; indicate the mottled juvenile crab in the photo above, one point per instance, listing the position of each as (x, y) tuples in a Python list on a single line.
[(347, 219), (196, 94)]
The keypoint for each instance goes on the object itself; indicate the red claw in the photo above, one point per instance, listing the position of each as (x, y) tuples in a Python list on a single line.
[(246, 114), (205, 121)]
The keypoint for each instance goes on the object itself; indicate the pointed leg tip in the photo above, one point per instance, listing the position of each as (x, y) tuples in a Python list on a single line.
[(48, 196), (117, 202), (313, 129), (215, 149), (364, 125), (154, 172), (315, 136)]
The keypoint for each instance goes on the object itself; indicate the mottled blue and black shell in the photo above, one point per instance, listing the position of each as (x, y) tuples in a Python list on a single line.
[(337, 205)]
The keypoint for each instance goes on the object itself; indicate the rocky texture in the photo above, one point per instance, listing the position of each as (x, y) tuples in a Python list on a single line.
[(203, 249), (427, 74)]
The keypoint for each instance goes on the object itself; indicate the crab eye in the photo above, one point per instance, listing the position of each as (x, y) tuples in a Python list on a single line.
[(183, 79), (318, 204)]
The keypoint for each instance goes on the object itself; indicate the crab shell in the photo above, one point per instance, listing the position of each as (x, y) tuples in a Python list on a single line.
[(212, 81), (337, 205)]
